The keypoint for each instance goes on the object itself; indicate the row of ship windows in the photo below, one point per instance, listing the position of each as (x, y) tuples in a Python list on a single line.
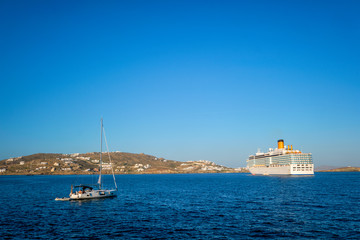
[(282, 159), (278, 157), (298, 163), (280, 163), (302, 169), (292, 160), (305, 162)]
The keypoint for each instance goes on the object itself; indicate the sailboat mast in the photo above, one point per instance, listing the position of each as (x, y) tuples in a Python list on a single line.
[(101, 135)]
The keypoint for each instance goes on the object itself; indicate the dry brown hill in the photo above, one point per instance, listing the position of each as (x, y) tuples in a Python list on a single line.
[(343, 169), (88, 163)]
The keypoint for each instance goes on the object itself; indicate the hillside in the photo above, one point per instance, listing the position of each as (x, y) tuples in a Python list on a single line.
[(343, 169), (325, 167), (88, 163)]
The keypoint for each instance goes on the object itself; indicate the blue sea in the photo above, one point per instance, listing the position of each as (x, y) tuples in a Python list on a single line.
[(182, 206)]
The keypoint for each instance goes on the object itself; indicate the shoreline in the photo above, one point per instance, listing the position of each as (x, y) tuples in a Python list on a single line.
[(133, 173), (159, 173)]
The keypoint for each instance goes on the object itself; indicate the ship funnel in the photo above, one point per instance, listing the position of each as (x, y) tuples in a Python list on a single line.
[(281, 144)]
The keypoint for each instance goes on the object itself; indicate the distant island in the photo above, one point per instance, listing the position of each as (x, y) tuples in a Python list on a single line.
[(88, 163), (122, 162), (342, 169)]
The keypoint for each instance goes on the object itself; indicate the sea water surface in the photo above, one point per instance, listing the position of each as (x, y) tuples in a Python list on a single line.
[(177, 206)]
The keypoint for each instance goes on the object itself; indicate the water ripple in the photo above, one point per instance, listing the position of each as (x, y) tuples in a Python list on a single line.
[(216, 206)]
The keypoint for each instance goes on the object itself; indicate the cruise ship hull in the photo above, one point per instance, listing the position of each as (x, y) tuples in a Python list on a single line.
[(291, 169)]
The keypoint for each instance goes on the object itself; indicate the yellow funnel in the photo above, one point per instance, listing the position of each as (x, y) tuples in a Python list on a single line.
[(281, 144)]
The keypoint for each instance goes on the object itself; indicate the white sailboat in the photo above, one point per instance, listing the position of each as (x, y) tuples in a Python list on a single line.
[(83, 192)]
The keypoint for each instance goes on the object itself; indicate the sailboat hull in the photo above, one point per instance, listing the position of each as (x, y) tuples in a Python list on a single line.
[(93, 194)]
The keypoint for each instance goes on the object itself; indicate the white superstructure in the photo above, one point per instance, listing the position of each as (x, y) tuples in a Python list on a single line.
[(280, 161)]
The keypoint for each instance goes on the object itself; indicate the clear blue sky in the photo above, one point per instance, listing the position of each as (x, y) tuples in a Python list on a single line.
[(183, 80)]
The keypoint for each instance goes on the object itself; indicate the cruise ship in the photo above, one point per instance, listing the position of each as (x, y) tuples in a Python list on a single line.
[(281, 161)]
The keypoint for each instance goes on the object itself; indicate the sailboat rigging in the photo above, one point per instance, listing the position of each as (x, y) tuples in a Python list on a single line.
[(97, 191)]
